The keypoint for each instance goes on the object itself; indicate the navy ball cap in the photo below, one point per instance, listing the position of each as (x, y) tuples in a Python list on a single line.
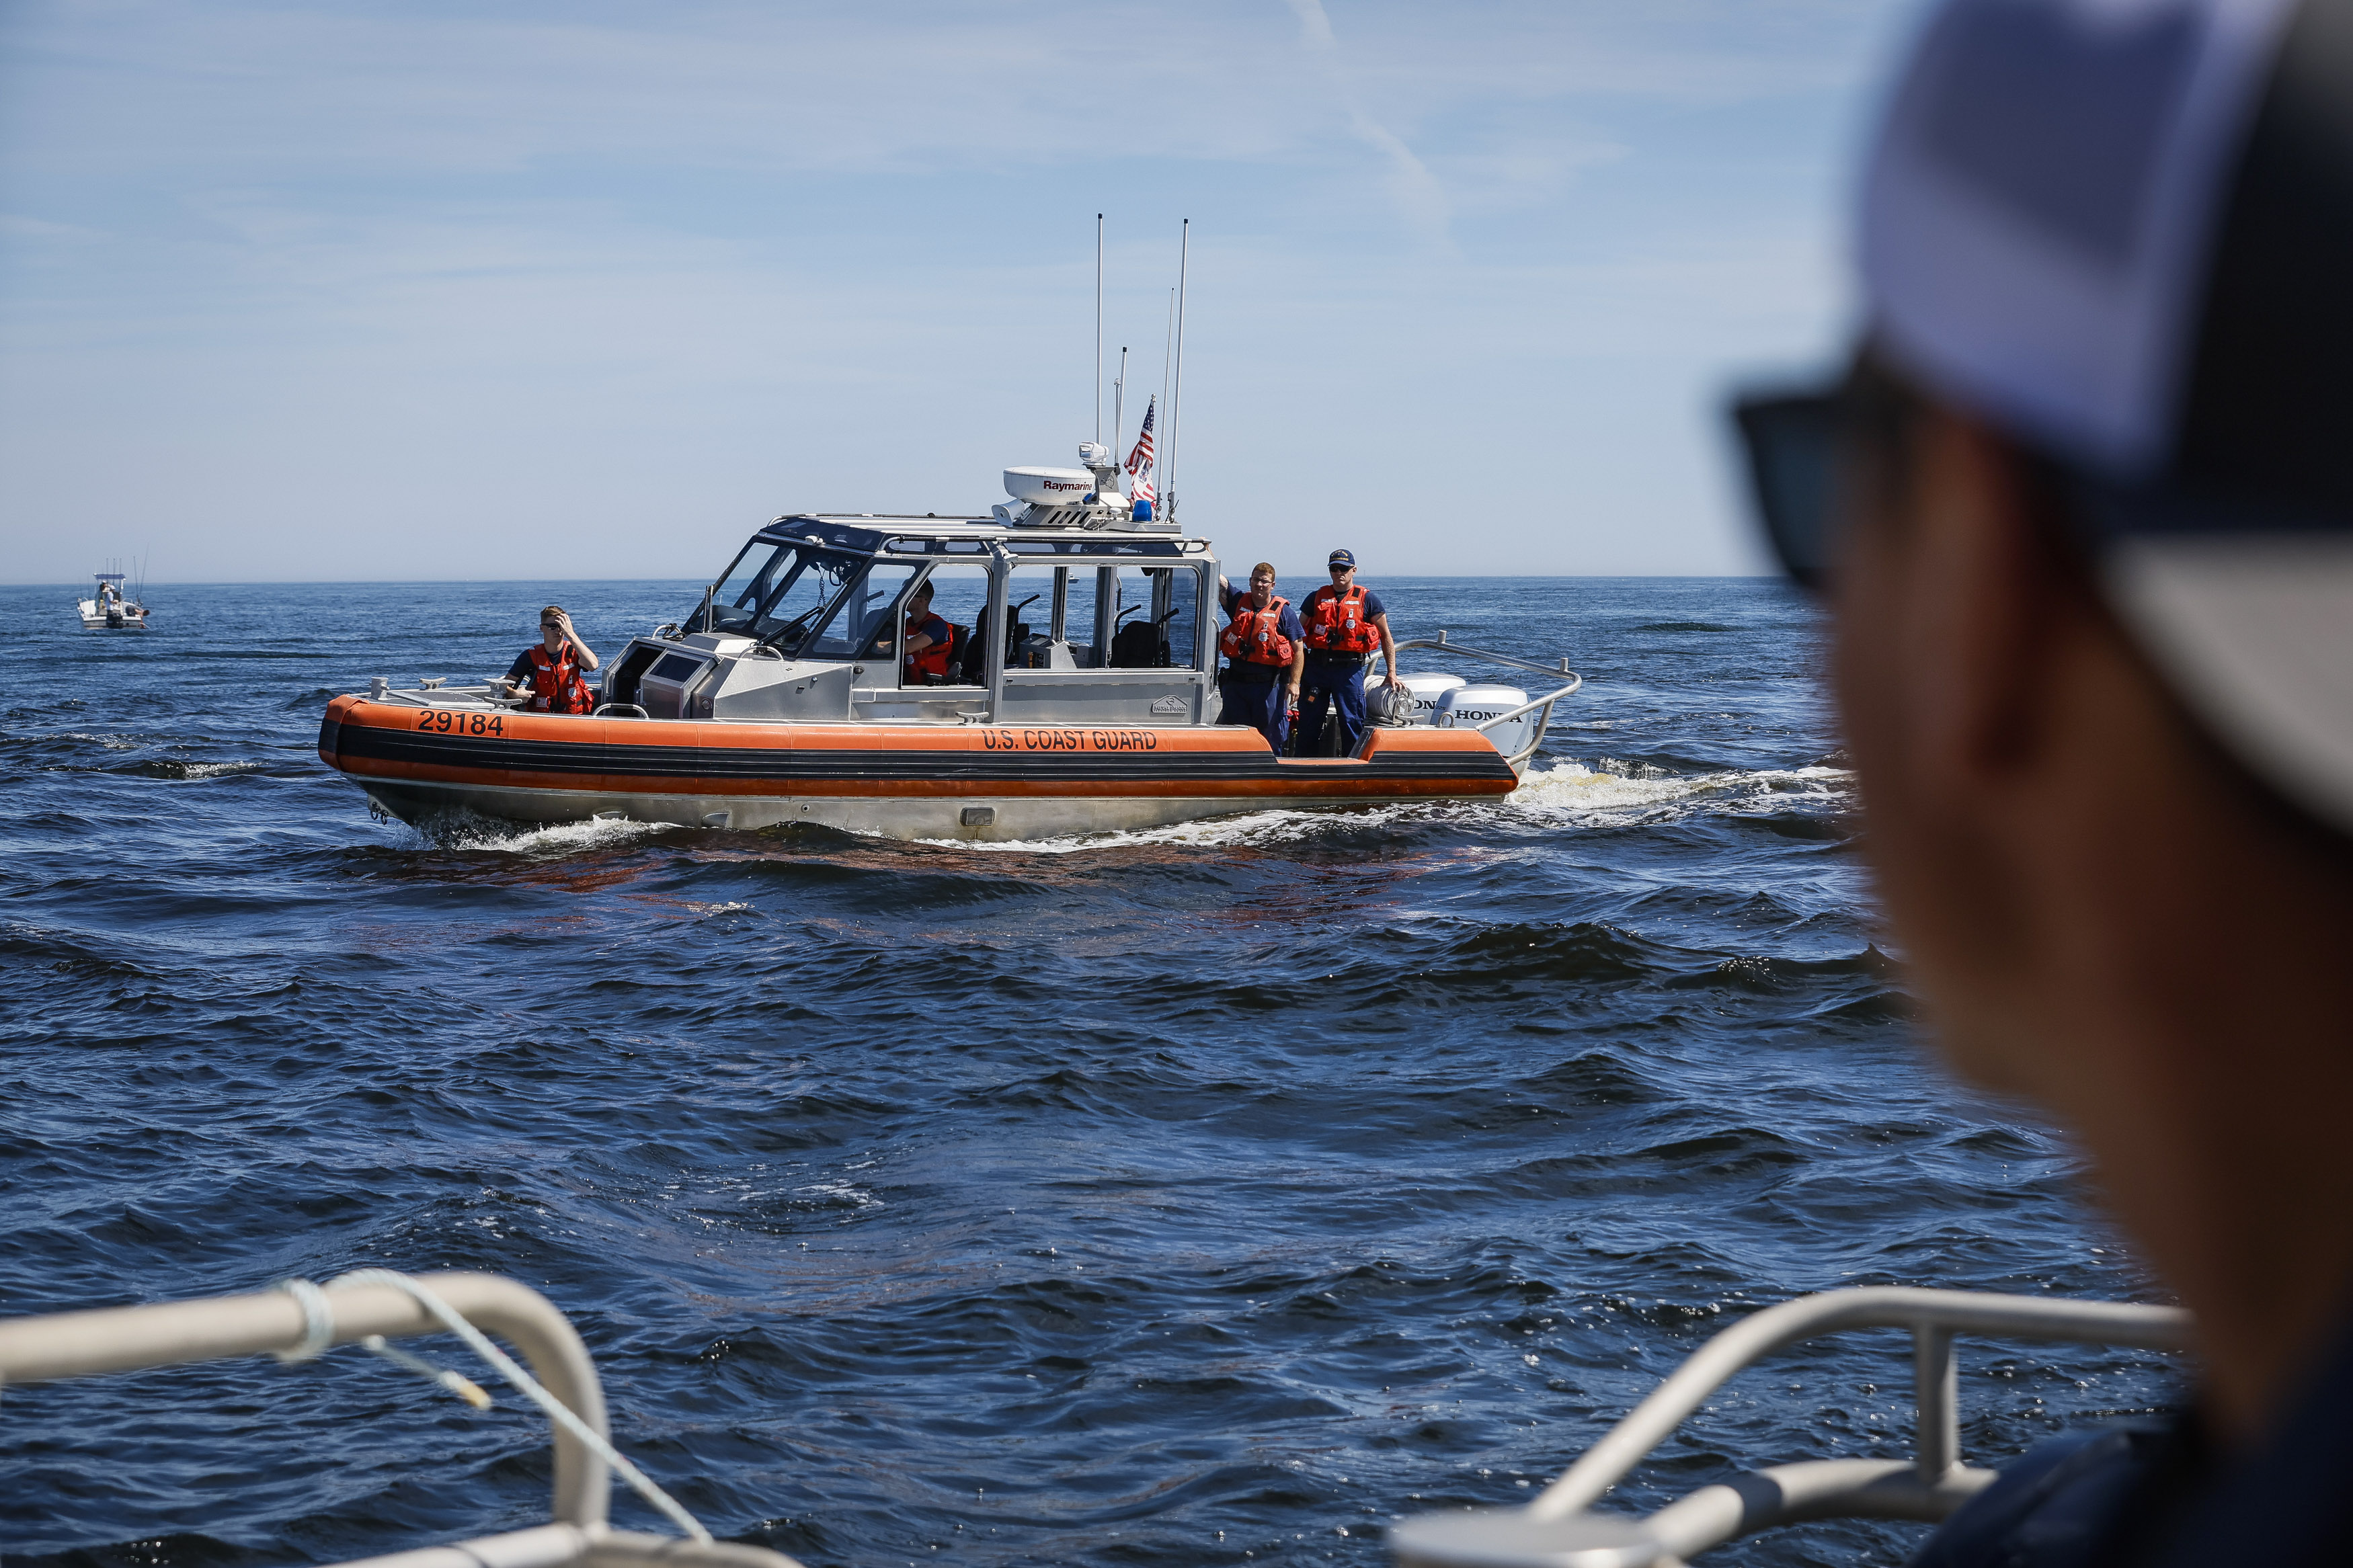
[(2123, 231)]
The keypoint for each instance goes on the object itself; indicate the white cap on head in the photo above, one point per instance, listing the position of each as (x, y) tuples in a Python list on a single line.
[(2122, 230)]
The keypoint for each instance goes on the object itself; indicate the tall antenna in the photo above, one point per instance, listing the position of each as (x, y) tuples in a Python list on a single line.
[(1098, 329), (1119, 408), (1184, 256), (1160, 466)]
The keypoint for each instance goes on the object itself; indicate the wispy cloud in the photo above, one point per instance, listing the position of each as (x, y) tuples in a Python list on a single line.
[(469, 270), (1420, 199)]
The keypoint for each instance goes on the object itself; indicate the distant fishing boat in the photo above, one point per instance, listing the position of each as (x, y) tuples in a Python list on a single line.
[(110, 608)]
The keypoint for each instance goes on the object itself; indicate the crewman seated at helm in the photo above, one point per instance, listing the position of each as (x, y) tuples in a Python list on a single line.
[(550, 669), (930, 641)]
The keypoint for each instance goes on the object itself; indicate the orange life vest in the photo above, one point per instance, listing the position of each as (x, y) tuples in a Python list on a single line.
[(1255, 637), (556, 683), (933, 661), (1335, 621)]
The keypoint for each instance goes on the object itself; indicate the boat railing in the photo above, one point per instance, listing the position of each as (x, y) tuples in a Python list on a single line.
[(436, 692), (1556, 1527), (284, 1323), (1557, 667)]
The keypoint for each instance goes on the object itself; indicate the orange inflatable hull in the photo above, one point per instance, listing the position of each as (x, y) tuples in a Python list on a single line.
[(910, 780)]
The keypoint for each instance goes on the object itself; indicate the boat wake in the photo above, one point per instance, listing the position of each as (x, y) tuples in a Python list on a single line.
[(1610, 794), (1614, 794), (466, 830)]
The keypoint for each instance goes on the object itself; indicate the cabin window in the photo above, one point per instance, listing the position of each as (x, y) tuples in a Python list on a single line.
[(736, 601), (778, 593), (960, 597), (1157, 616), (860, 624), (1062, 606)]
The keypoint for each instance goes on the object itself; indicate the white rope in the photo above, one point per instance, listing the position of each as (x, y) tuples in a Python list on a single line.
[(319, 1334), (464, 1387), (319, 1326), (318, 1321)]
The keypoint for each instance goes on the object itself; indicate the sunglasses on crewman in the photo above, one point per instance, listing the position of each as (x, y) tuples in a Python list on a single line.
[(1802, 444), (1795, 442)]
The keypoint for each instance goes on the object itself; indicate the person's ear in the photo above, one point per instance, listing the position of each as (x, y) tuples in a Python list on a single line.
[(1980, 590)]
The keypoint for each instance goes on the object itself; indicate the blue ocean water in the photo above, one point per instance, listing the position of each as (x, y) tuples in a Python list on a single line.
[(1212, 1195)]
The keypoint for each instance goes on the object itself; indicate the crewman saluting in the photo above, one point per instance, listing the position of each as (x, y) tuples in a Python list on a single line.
[(1262, 641), (550, 670), (1343, 623)]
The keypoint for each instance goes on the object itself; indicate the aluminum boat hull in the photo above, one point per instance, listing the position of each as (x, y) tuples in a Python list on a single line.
[(984, 783)]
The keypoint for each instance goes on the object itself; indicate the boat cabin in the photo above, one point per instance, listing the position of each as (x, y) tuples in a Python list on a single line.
[(1062, 620)]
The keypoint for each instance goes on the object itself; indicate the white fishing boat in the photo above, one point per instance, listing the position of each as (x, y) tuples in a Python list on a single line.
[(112, 609)]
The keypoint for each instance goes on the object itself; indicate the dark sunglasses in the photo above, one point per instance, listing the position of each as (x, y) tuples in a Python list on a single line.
[(1796, 443), (1801, 446)]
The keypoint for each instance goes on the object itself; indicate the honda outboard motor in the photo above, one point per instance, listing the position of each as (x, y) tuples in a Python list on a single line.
[(1468, 707), (1409, 700)]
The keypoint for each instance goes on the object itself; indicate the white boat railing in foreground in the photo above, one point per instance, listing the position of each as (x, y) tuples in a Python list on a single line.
[(1555, 1530), (297, 1324), (1557, 667)]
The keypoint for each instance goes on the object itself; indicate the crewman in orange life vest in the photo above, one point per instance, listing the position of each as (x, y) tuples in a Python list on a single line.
[(551, 669), (1344, 623), (1264, 648), (930, 640)]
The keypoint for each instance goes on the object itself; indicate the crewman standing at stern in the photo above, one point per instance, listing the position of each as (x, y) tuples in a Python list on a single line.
[(1344, 623), (1261, 642), (550, 670)]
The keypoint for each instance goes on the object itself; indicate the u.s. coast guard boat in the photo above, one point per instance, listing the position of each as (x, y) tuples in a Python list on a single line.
[(1079, 694)]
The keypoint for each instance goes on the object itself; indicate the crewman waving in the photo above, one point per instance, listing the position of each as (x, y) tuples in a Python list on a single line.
[(1262, 641)]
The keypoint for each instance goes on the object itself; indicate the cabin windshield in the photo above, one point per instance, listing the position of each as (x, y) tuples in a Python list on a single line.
[(778, 593), (809, 601)]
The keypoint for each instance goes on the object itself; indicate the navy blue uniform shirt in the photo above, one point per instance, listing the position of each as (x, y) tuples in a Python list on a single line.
[(2157, 1495)]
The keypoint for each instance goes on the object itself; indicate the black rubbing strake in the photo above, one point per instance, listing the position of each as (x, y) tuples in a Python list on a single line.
[(768, 762)]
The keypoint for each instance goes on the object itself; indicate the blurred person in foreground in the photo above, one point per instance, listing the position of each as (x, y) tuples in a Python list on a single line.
[(2082, 511)]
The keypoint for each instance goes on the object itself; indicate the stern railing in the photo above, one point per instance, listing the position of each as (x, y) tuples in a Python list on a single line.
[(175, 1333), (1557, 667), (1556, 1530)]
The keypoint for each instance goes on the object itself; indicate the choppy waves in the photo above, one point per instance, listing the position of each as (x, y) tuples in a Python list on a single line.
[(1210, 1194)]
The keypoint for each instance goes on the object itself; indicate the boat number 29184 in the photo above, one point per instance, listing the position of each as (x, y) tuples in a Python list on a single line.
[(450, 721)]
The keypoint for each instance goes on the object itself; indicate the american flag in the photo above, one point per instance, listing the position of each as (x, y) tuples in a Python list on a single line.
[(1139, 462)]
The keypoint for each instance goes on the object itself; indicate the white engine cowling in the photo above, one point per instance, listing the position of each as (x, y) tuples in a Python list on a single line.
[(1049, 487), (1468, 707), (1410, 698)]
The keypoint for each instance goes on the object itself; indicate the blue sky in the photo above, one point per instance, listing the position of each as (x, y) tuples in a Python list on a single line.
[(350, 291)]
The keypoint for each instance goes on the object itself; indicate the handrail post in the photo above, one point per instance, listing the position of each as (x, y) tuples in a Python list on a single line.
[(1937, 1391)]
